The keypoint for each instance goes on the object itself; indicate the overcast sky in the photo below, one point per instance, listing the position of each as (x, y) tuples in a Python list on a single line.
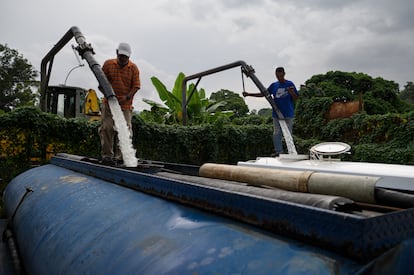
[(307, 37)]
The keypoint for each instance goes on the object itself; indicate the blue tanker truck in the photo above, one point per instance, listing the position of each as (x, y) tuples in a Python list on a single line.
[(77, 216)]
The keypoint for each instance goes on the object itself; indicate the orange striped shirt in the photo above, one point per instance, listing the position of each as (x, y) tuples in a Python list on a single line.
[(124, 80)]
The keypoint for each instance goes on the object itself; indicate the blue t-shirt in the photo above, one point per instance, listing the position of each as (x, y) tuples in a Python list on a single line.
[(283, 99)]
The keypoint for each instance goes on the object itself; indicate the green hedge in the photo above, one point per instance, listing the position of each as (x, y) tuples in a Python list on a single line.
[(200, 144)]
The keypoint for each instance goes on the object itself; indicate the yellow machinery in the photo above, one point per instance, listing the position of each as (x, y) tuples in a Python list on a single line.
[(71, 102), (92, 108)]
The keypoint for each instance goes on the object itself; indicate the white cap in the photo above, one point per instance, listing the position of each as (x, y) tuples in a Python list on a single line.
[(124, 49)]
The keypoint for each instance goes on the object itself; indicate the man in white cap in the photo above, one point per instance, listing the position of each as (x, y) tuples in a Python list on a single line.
[(123, 75)]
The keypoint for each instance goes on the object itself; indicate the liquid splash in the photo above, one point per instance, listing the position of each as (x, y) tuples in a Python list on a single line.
[(124, 136), (288, 137)]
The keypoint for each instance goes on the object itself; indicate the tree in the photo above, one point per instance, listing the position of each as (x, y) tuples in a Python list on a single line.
[(337, 85), (17, 78), (234, 102), (265, 112), (380, 95), (408, 93)]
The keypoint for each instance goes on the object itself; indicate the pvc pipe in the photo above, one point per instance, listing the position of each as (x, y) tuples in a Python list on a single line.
[(354, 187), (358, 188), (284, 179)]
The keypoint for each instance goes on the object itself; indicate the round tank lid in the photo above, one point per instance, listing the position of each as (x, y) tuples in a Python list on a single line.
[(331, 148)]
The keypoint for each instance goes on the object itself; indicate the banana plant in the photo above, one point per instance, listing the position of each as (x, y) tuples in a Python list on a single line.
[(199, 108), (172, 100)]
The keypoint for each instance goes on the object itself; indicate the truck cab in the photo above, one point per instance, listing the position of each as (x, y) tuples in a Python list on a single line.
[(71, 102), (66, 101)]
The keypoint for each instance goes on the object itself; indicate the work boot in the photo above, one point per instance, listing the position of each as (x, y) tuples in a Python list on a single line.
[(107, 161)]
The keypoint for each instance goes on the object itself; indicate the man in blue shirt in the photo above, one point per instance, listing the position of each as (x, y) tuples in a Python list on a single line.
[(284, 93)]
